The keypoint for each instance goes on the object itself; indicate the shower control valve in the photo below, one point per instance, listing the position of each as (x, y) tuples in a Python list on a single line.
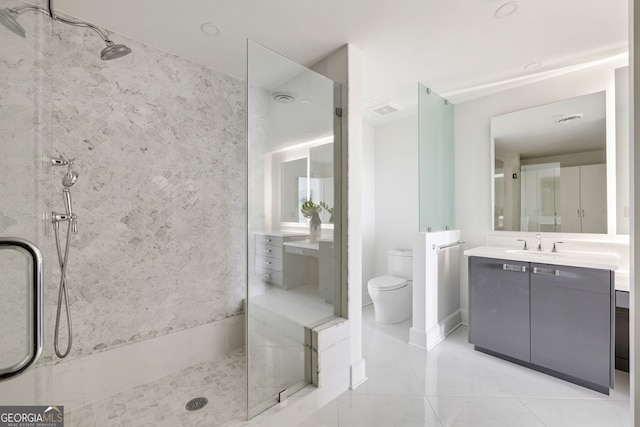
[(59, 217)]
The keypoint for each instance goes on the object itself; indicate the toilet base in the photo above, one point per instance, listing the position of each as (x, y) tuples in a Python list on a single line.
[(392, 306)]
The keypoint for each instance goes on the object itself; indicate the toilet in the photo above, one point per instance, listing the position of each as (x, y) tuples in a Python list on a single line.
[(391, 295)]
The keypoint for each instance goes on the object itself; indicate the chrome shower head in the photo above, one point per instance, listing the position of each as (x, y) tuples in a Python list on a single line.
[(70, 178), (8, 20), (113, 51)]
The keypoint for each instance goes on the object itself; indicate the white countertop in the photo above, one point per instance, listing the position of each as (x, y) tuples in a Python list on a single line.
[(603, 261), (304, 244)]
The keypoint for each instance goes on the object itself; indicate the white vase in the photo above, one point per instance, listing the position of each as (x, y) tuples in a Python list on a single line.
[(314, 228)]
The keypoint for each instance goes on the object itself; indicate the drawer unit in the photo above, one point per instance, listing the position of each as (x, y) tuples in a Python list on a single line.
[(269, 255), (269, 263), (268, 239), (268, 251)]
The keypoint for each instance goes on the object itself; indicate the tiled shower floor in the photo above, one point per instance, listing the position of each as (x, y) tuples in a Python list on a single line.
[(162, 402)]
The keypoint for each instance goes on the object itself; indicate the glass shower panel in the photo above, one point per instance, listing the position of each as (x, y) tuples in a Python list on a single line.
[(436, 162), (292, 214), (25, 137)]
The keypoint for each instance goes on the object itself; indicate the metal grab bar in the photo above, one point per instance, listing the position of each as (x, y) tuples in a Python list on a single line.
[(35, 315), (450, 245)]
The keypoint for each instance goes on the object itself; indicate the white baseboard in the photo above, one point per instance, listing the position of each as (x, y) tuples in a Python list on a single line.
[(464, 316), (366, 299), (418, 338), (439, 332), (358, 374)]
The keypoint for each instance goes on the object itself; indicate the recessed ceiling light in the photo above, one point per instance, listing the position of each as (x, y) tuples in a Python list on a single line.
[(506, 9), (306, 102), (211, 29), (283, 98), (533, 66)]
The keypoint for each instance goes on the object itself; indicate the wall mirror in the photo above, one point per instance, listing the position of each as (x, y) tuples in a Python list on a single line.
[(293, 189), (550, 167), (307, 178)]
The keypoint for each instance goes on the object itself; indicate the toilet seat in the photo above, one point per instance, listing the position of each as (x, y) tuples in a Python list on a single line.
[(387, 283)]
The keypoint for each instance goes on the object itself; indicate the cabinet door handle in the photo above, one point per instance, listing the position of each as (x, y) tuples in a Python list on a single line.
[(546, 271), (511, 267)]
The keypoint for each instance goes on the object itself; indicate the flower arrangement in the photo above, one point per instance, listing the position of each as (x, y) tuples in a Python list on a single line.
[(308, 209)]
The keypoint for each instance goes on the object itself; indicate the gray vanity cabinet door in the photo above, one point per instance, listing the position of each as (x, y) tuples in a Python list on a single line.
[(499, 306), (571, 326)]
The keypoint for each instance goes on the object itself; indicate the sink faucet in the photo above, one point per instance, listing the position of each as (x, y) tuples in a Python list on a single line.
[(539, 241), (524, 248), (554, 247)]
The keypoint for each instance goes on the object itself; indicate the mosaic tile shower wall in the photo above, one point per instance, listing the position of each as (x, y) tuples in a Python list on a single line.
[(160, 148), (25, 110)]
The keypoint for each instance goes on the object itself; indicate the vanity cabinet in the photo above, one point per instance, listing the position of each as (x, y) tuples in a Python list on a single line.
[(269, 256), (555, 319), (499, 306), (572, 321)]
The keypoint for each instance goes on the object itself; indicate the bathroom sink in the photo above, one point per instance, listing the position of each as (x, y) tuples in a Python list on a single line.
[(569, 258), (535, 253)]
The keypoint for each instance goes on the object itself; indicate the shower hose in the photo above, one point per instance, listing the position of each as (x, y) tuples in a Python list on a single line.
[(62, 289)]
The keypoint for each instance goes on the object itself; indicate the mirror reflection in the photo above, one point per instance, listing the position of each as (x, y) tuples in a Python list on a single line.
[(307, 179), (550, 167)]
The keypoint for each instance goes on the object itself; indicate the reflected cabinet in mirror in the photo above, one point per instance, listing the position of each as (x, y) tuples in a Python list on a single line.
[(550, 167)]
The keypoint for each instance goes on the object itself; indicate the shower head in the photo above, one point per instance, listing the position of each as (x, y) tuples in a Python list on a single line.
[(70, 178), (113, 51), (8, 20)]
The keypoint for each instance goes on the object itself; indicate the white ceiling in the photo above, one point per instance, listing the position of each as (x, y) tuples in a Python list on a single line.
[(448, 45)]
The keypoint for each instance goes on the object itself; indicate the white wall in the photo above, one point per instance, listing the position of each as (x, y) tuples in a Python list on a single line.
[(345, 67), (368, 208), (473, 148), (396, 188)]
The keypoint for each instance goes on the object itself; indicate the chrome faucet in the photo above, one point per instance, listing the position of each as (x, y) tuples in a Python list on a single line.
[(554, 247), (524, 248), (539, 242)]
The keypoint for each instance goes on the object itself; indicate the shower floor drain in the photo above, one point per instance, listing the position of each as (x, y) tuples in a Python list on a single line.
[(197, 403)]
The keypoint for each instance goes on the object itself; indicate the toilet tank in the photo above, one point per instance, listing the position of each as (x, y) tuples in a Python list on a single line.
[(400, 264)]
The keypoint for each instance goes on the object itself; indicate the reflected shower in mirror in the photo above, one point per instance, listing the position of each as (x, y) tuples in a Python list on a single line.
[(550, 167)]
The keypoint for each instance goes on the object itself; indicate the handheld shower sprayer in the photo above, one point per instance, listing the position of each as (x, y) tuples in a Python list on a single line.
[(69, 178)]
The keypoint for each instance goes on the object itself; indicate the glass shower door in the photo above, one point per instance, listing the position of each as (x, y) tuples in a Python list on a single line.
[(293, 227), (25, 110)]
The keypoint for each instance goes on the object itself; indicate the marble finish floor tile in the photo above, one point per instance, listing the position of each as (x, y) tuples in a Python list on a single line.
[(580, 412), (483, 412), (162, 402), (454, 385), (385, 411)]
